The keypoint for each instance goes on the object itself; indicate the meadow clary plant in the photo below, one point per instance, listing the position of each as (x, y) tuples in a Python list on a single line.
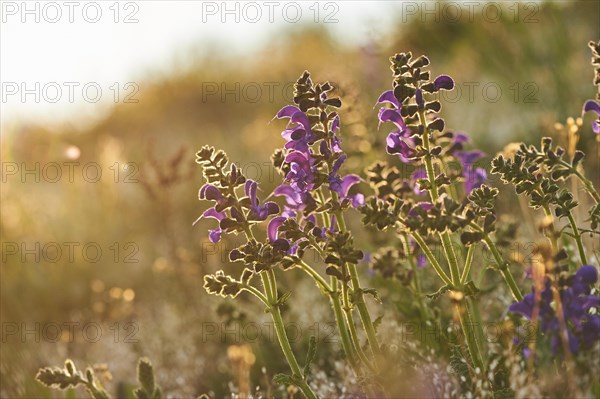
[(444, 201)]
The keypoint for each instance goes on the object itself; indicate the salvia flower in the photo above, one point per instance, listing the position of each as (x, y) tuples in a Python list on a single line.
[(474, 176), (301, 175), (583, 328), (593, 106), (257, 211)]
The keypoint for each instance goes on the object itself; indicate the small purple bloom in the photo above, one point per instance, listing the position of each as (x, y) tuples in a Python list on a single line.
[(418, 174), (475, 178), (300, 175), (257, 211), (593, 106), (443, 82), (273, 226), (210, 192), (583, 328), (468, 158), (388, 97), (399, 143), (391, 115)]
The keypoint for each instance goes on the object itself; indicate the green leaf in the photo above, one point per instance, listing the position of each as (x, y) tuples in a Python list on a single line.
[(282, 379), (310, 356)]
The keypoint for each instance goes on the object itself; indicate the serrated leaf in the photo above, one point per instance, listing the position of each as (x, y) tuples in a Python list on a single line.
[(310, 356)]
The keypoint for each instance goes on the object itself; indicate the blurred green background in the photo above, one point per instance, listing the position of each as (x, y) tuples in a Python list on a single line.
[(145, 291)]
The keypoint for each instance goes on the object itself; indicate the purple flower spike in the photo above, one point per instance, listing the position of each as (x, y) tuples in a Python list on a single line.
[(274, 226), (443, 82), (583, 328), (388, 97)]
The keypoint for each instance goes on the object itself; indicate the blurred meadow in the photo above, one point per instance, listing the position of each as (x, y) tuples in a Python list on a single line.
[(142, 295)]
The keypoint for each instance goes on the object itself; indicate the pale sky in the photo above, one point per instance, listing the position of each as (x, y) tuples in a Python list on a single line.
[(58, 57)]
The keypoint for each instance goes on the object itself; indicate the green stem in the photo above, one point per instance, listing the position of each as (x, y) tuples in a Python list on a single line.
[(341, 325), (587, 183), (433, 192), (257, 294), (577, 237), (467, 325), (358, 295), (431, 258), (503, 268), (270, 284), (552, 235), (468, 264), (316, 276), (284, 342), (418, 289)]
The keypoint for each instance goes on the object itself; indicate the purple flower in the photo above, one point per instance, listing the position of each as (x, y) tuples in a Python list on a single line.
[(474, 177), (388, 97), (583, 328), (593, 106), (391, 115), (296, 201), (273, 226), (418, 174), (342, 185), (298, 134), (301, 175), (468, 158), (257, 211), (443, 82), (210, 192), (399, 142), (215, 234)]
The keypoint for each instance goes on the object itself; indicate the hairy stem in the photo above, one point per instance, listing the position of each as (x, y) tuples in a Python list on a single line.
[(431, 258), (358, 296), (577, 236), (434, 194)]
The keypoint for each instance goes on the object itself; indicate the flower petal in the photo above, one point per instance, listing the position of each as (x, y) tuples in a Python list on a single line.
[(287, 111), (591, 105), (274, 226), (347, 182), (443, 82), (388, 97)]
